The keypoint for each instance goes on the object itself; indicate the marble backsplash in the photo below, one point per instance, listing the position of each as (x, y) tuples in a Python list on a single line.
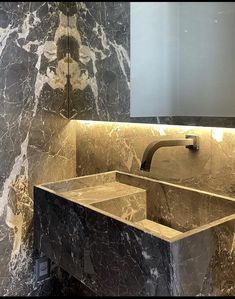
[(104, 146)]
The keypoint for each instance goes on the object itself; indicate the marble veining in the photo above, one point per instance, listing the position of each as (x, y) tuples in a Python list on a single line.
[(50, 55), (99, 67), (33, 128), (131, 207), (99, 60), (158, 255), (108, 146), (101, 192)]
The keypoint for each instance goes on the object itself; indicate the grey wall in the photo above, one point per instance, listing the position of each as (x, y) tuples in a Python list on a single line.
[(206, 59), (34, 133), (154, 54), (182, 59)]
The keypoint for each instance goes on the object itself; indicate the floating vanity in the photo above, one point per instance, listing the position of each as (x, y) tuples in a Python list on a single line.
[(122, 234)]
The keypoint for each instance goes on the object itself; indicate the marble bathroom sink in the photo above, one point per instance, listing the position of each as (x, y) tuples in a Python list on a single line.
[(122, 234)]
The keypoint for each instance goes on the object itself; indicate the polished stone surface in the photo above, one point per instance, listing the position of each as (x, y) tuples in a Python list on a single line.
[(101, 192), (34, 132), (109, 146), (37, 142), (99, 42), (159, 229), (171, 249), (131, 207)]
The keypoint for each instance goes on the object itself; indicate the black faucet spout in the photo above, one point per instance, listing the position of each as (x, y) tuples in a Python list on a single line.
[(191, 142)]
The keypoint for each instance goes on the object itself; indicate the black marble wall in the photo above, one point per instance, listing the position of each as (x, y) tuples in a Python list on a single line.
[(34, 131), (57, 61), (99, 65)]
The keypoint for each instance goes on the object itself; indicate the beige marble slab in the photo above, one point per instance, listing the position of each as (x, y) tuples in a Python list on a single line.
[(131, 207), (158, 228), (102, 192)]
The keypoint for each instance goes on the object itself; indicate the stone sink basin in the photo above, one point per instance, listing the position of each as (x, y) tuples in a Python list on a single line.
[(126, 235)]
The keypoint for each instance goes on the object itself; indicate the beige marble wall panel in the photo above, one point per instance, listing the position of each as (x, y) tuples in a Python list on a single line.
[(104, 146)]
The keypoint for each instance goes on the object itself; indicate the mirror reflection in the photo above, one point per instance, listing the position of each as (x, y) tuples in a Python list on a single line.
[(182, 59)]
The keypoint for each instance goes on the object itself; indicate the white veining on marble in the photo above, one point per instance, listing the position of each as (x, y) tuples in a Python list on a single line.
[(146, 255), (91, 53), (123, 58), (233, 244), (39, 83), (20, 161), (128, 159), (16, 204), (80, 80), (4, 35), (26, 26)]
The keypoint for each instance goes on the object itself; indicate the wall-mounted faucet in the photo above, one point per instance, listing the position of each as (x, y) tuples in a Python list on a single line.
[(191, 142)]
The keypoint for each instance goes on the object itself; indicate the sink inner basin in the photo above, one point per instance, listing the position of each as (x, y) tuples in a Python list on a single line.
[(160, 208), (124, 201)]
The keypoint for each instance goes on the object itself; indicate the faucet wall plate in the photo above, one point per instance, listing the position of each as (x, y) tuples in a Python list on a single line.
[(195, 145)]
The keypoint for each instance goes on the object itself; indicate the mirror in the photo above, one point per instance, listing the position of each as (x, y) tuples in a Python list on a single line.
[(154, 62), (183, 62)]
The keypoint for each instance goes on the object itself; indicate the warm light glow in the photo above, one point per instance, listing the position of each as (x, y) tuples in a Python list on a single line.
[(162, 126), (217, 132)]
